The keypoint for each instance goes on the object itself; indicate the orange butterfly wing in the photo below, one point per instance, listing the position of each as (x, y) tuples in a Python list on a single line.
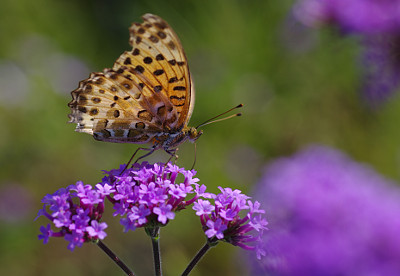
[(147, 93)]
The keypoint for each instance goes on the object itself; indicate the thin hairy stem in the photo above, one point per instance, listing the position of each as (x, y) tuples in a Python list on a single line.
[(196, 259), (114, 257)]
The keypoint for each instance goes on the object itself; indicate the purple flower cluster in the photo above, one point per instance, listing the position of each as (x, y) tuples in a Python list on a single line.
[(149, 195), (76, 211), (224, 220), (330, 216), (360, 16)]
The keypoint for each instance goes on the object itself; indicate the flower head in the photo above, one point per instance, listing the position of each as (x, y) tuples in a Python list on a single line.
[(329, 216), (76, 212), (150, 194), (232, 218)]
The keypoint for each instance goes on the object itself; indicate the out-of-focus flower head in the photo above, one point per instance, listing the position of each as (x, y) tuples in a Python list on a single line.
[(359, 16), (232, 218), (149, 195), (377, 23), (76, 211), (381, 63), (329, 216)]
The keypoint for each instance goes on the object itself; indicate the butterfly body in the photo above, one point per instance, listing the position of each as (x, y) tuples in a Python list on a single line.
[(171, 140), (146, 97), (159, 140)]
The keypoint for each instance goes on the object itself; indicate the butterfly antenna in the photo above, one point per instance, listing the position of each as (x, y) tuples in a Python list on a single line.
[(212, 120)]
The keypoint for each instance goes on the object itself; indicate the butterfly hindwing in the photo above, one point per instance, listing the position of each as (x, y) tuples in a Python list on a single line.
[(147, 93)]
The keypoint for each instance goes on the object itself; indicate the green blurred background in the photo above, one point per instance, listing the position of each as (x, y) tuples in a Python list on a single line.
[(299, 87)]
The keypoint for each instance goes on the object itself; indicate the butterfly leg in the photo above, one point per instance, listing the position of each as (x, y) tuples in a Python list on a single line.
[(151, 150), (166, 163), (195, 156), (173, 154), (133, 155)]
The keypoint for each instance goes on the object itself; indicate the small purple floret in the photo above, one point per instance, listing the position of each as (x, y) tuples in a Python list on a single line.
[(46, 233), (96, 230), (215, 228), (164, 213)]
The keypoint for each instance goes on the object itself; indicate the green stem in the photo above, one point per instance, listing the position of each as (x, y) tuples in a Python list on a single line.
[(114, 258), (197, 258), (155, 241)]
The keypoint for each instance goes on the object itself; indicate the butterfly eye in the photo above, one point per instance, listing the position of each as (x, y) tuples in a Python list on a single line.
[(194, 134)]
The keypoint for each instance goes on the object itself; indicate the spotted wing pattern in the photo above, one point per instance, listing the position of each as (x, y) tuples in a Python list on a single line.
[(147, 93)]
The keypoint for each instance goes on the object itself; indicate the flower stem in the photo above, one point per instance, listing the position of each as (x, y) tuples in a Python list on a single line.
[(155, 241), (114, 258), (197, 258)]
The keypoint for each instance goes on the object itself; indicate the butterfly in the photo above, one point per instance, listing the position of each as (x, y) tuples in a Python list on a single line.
[(146, 97)]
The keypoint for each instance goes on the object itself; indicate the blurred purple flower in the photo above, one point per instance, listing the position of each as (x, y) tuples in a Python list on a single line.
[(381, 63), (296, 37), (359, 16), (378, 24), (330, 216), (15, 203)]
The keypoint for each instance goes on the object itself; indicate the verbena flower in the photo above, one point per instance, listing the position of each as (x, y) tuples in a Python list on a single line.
[(149, 195), (232, 218), (329, 216), (76, 211)]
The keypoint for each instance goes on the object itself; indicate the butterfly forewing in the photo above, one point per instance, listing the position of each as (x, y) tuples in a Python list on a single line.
[(147, 93)]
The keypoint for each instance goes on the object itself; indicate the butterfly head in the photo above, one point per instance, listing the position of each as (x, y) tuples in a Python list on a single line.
[(194, 134)]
